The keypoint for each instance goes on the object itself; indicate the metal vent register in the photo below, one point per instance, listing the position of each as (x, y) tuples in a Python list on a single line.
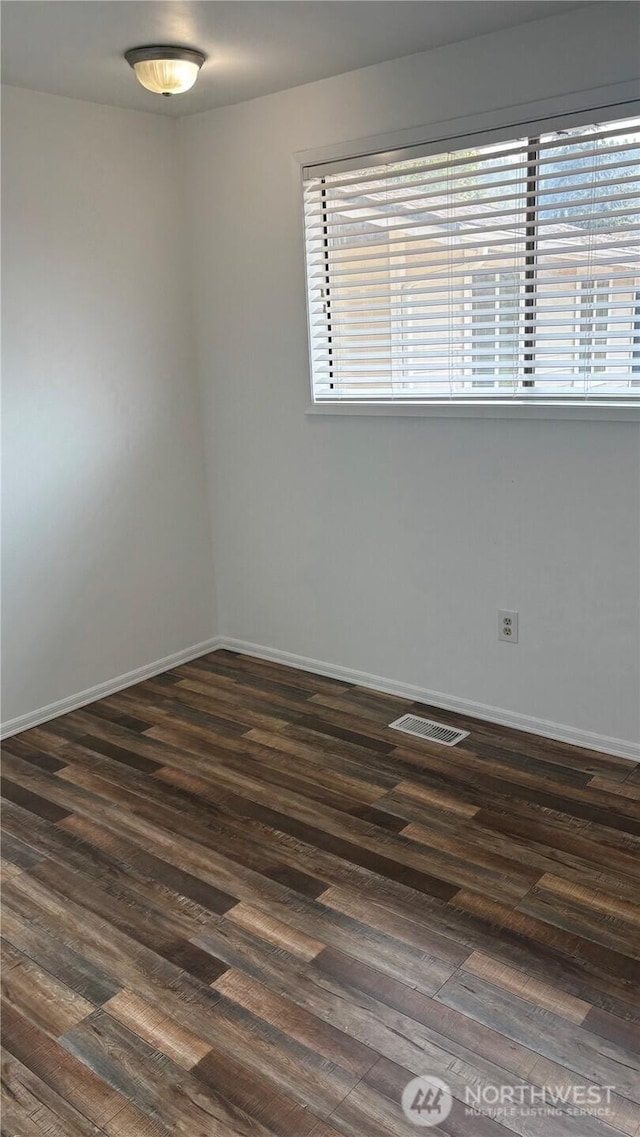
[(428, 730)]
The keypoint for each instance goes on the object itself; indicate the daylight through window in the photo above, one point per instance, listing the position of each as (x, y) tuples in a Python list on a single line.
[(499, 271)]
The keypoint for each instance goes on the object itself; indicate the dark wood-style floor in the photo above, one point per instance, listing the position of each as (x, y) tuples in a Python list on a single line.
[(237, 903)]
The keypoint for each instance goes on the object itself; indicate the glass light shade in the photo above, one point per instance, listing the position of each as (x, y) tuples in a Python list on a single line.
[(166, 76)]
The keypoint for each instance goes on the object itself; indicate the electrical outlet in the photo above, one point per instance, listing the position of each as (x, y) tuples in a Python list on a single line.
[(508, 626)]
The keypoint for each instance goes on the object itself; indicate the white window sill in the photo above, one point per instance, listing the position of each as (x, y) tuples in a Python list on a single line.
[(608, 412)]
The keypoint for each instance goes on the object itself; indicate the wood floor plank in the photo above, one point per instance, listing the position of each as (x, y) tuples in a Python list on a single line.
[(389, 857), (527, 860), (375, 849), (413, 932), (511, 939), (254, 1096), (60, 959), (84, 1090), (534, 990), (589, 898), (274, 931), (546, 1033), (245, 712), (130, 964), (615, 935), (164, 933), (38, 757), (149, 1080), (42, 998), (157, 1029), (264, 671), (406, 1041), (305, 1027), (621, 1114), (579, 802), (101, 711), (617, 1030), (26, 1098), (604, 960), (522, 743), (596, 847), (425, 967), (16, 851), (236, 906), (40, 806)]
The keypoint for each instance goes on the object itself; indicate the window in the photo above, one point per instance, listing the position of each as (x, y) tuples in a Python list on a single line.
[(504, 270), (494, 324)]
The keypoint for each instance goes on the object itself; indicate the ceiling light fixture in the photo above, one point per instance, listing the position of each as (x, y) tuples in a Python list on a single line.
[(165, 70)]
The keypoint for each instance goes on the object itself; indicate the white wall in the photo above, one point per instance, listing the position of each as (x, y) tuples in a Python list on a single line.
[(107, 552), (387, 545)]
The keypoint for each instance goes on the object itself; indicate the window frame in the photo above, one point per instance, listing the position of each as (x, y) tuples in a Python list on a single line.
[(606, 104)]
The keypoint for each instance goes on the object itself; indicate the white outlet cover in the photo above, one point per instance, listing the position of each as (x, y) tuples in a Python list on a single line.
[(507, 626)]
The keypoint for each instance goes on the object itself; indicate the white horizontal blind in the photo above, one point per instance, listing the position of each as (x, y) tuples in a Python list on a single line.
[(504, 270)]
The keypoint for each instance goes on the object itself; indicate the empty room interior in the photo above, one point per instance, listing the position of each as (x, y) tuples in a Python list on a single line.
[(320, 568)]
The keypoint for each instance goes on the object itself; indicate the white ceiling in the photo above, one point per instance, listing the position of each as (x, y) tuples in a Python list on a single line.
[(74, 47)]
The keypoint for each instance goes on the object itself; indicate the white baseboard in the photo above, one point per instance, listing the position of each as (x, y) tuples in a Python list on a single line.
[(101, 690), (528, 723), (558, 731)]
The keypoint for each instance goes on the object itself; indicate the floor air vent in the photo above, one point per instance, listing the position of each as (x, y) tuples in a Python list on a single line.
[(428, 730)]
